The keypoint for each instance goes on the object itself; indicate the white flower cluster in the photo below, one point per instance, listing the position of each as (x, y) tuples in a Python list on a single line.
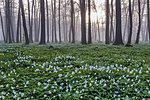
[(58, 80)]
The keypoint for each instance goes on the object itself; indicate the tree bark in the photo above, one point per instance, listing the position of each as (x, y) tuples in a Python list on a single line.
[(148, 19), (2, 25), (118, 37), (42, 10), (83, 21), (89, 22), (72, 21), (130, 17), (139, 26), (47, 10), (59, 20), (24, 22), (111, 22), (18, 25), (8, 22), (107, 23)]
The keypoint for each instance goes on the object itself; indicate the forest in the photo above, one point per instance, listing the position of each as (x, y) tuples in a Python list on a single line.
[(71, 21), (74, 50)]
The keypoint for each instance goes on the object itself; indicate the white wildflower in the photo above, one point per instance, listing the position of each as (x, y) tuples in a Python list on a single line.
[(96, 98), (60, 75), (39, 83)]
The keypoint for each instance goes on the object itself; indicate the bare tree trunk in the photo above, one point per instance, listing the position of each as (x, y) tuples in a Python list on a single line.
[(72, 21), (125, 27), (98, 26), (20, 40), (64, 28), (139, 27), (95, 30), (118, 37), (107, 23), (70, 34), (24, 22), (59, 20), (54, 18), (89, 22), (125, 19), (39, 23), (130, 17), (66, 23), (2, 25), (42, 10), (18, 25), (36, 21), (8, 22), (30, 20), (111, 22), (148, 18), (52, 6), (31, 23), (47, 10), (83, 21), (12, 20)]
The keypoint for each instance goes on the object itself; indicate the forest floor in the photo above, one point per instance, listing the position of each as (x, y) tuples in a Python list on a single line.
[(74, 72)]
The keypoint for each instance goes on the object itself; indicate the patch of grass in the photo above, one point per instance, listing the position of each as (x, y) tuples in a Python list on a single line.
[(74, 72)]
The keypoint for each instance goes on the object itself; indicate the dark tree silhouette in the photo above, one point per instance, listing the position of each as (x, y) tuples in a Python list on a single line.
[(24, 22), (130, 18), (107, 23), (118, 36), (83, 21), (42, 10), (59, 20), (148, 18), (89, 22), (18, 25), (72, 21), (139, 26)]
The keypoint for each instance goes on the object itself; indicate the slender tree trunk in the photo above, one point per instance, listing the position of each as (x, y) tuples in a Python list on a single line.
[(112, 26), (2, 25), (70, 34), (83, 21), (95, 30), (31, 23), (55, 26), (99, 36), (89, 24), (52, 6), (18, 25), (42, 10), (12, 19), (107, 23), (148, 18), (72, 21), (130, 17), (24, 22), (64, 28), (65, 22), (139, 27), (125, 27), (36, 32), (47, 10), (59, 20), (142, 24)]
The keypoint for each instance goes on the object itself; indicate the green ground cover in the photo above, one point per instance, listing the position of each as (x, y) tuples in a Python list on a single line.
[(74, 72)]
